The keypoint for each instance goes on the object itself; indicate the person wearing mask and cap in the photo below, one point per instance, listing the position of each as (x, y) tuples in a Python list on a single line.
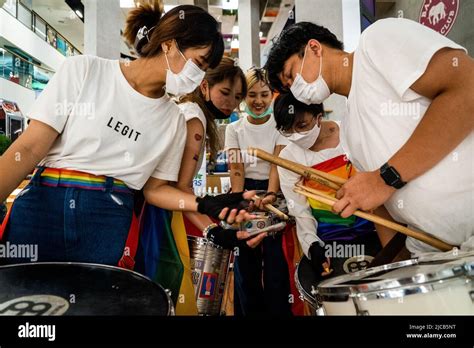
[(79, 204), (257, 129), (400, 83)]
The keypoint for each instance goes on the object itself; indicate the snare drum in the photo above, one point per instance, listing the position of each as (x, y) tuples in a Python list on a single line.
[(403, 288), (307, 280), (209, 266), (52, 288)]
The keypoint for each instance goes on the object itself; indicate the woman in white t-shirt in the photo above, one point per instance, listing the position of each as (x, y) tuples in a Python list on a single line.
[(102, 129), (257, 129), (219, 94)]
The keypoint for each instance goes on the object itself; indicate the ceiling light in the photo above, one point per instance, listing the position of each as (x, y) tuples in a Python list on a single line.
[(230, 4), (78, 7), (127, 3)]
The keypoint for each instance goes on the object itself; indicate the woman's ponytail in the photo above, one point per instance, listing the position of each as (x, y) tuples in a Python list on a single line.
[(147, 14)]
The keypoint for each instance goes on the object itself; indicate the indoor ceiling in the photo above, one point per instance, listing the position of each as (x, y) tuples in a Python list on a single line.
[(60, 16)]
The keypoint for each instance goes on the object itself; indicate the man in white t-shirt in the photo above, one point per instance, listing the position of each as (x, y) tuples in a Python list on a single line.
[(409, 123)]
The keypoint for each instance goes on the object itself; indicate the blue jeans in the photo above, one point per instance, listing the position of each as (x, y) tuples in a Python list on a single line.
[(251, 297), (71, 224)]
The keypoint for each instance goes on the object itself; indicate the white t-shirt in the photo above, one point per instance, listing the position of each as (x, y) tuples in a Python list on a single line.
[(306, 224), (242, 134), (108, 128), (192, 110), (383, 112)]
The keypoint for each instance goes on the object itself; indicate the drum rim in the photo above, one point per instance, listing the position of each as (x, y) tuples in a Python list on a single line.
[(312, 301), (407, 285), (387, 267), (32, 264), (98, 265), (408, 290)]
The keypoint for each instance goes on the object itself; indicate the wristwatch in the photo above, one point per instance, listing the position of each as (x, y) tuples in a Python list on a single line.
[(391, 177)]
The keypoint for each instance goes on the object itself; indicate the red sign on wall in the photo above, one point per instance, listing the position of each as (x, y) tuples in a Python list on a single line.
[(439, 15)]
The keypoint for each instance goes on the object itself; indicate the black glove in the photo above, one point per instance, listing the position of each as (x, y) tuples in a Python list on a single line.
[(316, 251), (212, 205), (225, 238)]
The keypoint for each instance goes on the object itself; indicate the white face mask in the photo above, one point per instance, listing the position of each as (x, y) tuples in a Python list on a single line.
[(310, 93), (307, 139), (186, 81)]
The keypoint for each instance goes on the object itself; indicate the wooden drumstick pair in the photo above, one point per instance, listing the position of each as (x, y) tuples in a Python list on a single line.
[(271, 208), (335, 183)]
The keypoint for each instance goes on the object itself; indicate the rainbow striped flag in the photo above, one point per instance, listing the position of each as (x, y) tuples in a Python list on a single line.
[(163, 256), (293, 253), (332, 226)]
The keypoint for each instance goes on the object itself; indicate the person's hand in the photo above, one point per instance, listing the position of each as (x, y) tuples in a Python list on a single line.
[(364, 191), (252, 242), (231, 207), (229, 239), (269, 198), (321, 264)]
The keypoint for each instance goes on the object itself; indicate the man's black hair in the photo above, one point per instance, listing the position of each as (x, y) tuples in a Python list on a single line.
[(293, 40), (287, 108)]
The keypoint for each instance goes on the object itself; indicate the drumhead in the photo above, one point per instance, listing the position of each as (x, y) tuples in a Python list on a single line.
[(393, 276), (53, 288)]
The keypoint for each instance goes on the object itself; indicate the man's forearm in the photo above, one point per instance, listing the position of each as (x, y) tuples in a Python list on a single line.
[(274, 181), (237, 177), (446, 123)]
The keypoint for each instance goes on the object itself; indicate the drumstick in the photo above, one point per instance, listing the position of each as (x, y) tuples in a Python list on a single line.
[(323, 178), (422, 236), (270, 207)]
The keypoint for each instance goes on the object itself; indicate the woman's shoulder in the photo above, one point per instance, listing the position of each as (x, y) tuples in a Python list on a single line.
[(235, 125), (192, 110), (333, 123)]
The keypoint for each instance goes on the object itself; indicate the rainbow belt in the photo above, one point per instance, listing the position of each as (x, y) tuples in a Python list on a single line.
[(54, 177)]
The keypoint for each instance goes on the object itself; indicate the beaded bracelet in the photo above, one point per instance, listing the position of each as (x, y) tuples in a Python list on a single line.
[(208, 228)]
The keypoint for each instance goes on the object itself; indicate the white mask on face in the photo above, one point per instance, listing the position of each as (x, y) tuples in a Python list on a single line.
[(306, 140), (310, 93), (186, 81)]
